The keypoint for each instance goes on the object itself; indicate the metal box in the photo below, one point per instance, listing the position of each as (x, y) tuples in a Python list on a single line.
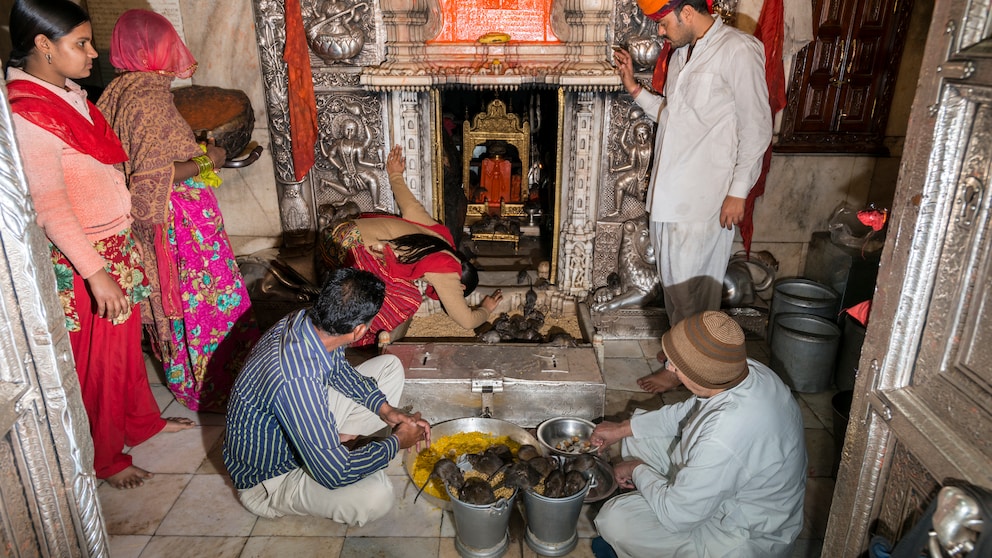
[(519, 383)]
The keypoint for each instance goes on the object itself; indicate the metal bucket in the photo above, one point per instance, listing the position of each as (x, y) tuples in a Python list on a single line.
[(552, 522), (850, 353), (482, 531), (804, 351), (802, 296), (841, 403)]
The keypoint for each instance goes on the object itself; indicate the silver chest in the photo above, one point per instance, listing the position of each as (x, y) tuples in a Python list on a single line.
[(520, 383)]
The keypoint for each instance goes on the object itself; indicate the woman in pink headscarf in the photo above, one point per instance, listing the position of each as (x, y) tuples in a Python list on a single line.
[(199, 315)]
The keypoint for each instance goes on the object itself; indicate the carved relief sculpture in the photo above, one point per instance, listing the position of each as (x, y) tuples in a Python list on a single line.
[(351, 168), (337, 32), (636, 282), (632, 180), (293, 209)]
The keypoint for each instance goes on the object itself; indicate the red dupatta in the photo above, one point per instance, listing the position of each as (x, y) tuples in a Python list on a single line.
[(47, 110)]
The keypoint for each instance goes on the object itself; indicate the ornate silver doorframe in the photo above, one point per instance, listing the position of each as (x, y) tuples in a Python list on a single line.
[(47, 484)]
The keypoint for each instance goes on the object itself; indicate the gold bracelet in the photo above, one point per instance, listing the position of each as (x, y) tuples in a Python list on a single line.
[(203, 163)]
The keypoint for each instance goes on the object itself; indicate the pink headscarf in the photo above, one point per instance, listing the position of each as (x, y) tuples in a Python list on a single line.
[(144, 41)]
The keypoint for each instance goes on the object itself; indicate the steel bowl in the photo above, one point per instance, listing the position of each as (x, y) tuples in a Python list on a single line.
[(604, 484), (554, 431), (493, 427)]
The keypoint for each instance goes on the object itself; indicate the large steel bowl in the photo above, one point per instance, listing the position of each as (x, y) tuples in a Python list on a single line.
[(562, 430), (493, 427)]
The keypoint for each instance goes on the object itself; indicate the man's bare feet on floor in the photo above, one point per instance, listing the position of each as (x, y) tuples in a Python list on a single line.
[(131, 477), (175, 424), (662, 380)]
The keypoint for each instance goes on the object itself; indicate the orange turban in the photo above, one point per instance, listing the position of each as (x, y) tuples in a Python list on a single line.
[(655, 9)]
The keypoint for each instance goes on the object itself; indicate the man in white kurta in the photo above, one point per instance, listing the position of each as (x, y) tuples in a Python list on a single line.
[(721, 474), (714, 125)]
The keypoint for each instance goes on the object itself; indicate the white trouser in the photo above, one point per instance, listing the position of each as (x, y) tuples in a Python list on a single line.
[(692, 261), (297, 493), (633, 529)]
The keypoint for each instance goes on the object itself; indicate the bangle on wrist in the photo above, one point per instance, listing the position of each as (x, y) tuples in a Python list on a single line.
[(636, 91), (203, 163)]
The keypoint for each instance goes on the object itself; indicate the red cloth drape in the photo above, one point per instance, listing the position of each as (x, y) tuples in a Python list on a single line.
[(302, 102), (771, 33), (661, 68)]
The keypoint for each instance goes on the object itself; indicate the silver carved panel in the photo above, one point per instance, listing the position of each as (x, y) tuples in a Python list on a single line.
[(351, 151), (48, 451), (923, 410), (630, 154)]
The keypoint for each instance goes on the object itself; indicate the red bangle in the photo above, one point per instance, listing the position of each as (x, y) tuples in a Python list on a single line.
[(637, 91)]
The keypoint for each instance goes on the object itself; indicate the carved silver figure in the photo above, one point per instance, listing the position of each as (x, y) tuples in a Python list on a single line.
[(337, 33), (633, 176), (347, 153), (636, 282)]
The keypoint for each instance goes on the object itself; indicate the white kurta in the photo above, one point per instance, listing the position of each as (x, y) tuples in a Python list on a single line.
[(724, 476), (714, 126)]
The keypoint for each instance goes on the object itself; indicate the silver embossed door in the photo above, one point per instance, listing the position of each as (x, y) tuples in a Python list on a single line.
[(922, 411)]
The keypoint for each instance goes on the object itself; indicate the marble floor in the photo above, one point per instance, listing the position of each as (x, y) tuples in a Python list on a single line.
[(189, 508)]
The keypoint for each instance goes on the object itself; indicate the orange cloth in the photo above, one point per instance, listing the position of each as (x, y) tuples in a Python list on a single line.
[(496, 179), (650, 7), (302, 100)]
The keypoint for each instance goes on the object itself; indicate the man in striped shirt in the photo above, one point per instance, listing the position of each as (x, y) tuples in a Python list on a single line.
[(298, 402)]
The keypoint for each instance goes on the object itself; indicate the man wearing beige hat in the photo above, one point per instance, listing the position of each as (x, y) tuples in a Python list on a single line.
[(720, 474), (714, 125)]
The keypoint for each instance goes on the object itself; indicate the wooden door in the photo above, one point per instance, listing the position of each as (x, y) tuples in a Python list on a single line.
[(922, 409), (843, 81)]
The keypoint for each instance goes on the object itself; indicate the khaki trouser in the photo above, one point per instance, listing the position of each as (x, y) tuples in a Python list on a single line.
[(297, 493)]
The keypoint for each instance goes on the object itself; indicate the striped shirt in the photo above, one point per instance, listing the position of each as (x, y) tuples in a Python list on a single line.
[(278, 417)]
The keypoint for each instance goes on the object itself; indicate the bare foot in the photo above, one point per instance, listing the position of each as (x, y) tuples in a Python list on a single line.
[(659, 382), (132, 477), (175, 424)]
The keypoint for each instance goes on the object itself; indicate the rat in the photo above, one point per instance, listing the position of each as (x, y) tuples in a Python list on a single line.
[(554, 484), (574, 483), (486, 463), (527, 452), (581, 463), (447, 472), (477, 492)]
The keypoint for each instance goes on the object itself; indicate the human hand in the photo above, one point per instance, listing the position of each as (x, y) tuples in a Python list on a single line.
[(625, 68), (490, 302), (218, 155), (623, 472), (111, 302), (395, 162), (608, 433), (397, 417), (413, 433), (732, 212)]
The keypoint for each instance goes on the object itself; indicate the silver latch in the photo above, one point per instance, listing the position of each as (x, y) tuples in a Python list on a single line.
[(487, 382)]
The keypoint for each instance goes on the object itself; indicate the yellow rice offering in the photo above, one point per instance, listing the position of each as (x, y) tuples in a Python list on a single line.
[(453, 447)]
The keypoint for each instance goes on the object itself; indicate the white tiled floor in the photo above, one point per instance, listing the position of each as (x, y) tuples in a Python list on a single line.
[(189, 509)]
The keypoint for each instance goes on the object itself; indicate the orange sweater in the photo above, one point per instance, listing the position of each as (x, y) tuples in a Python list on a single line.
[(79, 200)]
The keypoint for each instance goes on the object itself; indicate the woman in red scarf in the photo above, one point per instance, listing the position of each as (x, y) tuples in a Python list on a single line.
[(199, 316), (84, 209)]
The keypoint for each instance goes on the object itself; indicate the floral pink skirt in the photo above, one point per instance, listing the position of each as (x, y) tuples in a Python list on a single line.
[(217, 329)]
